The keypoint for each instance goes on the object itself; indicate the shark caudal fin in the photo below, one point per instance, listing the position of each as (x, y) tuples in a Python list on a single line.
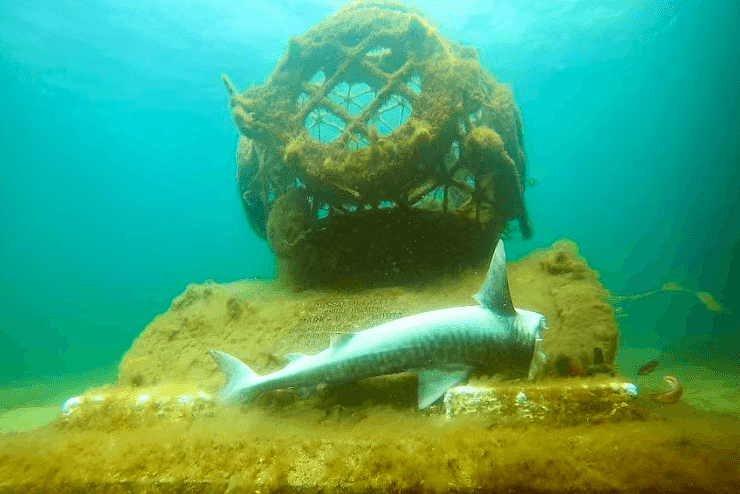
[(240, 379), (494, 293)]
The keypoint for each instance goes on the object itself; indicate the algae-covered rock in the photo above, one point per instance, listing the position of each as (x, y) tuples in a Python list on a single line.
[(289, 223), (260, 321), (583, 333)]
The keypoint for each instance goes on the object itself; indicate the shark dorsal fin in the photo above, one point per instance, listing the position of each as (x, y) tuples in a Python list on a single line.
[(339, 339), (494, 293)]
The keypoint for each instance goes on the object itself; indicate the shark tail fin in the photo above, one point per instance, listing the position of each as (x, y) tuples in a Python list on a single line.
[(240, 379)]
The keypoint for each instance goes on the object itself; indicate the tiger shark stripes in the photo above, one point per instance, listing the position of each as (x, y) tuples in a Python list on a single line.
[(442, 347)]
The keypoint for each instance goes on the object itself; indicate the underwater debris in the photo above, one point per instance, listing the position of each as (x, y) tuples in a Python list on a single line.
[(674, 393), (648, 368)]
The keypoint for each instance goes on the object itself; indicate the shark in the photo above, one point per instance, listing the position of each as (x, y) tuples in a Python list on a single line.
[(442, 347)]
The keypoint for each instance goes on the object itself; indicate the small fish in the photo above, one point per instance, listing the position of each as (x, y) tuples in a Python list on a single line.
[(648, 368), (674, 393), (711, 303)]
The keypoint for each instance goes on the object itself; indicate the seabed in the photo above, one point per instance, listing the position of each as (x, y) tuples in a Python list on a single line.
[(165, 444)]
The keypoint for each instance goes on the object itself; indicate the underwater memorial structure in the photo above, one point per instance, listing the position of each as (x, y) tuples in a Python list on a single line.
[(377, 151), (383, 165)]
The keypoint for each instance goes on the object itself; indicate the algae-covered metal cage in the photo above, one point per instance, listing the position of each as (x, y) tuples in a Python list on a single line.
[(376, 132)]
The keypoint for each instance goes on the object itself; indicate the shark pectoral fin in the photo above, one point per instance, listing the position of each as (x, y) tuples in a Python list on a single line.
[(433, 383), (539, 360), (304, 391)]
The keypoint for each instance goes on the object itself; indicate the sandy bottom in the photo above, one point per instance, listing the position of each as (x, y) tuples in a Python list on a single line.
[(34, 403), (27, 419), (676, 449), (708, 387)]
